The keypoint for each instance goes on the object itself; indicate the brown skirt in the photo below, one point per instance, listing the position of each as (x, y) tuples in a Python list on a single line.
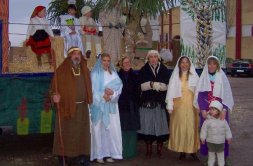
[(75, 133)]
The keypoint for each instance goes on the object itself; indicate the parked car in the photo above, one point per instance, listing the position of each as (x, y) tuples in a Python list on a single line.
[(229, 62), (242, 66)]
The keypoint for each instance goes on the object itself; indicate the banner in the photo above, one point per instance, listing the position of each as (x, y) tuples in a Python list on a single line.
[(25, 106), (203, 30), (4, 18)]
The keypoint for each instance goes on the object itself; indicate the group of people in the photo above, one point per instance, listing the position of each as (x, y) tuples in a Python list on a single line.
[(80, 32), (101, 112)]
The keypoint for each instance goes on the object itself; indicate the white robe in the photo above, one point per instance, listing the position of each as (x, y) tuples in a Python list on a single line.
[(107, 142), (73, 40)]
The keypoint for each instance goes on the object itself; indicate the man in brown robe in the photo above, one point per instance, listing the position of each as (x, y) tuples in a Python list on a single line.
[(71, 87)]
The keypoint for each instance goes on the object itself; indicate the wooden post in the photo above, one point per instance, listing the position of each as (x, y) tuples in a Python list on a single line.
[(238, 35), (162, 29)]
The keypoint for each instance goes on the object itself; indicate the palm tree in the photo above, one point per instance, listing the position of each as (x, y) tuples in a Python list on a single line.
[(204, 12)]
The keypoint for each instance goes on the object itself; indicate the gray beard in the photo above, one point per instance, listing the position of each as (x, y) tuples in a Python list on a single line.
[(76, 62)]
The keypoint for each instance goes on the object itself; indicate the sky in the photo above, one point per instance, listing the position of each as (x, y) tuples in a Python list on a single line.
[(20, 12)]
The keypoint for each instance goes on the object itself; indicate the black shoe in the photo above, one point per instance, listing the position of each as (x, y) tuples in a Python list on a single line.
[(84, 161), (182, 156), (195, 157)]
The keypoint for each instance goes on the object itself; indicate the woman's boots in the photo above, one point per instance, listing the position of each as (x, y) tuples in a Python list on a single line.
[(148, 149), (159, 148)]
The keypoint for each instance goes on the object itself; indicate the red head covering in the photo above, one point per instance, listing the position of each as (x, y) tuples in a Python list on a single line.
[(37, 10)]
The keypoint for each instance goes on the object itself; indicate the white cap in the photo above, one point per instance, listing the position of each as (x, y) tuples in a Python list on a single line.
[(216, 104), (85, 10)]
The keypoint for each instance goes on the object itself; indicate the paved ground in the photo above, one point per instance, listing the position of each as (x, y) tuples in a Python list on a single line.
[(35, 150)]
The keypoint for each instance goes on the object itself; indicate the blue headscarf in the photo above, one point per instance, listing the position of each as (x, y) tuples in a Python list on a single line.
[(100, 109)]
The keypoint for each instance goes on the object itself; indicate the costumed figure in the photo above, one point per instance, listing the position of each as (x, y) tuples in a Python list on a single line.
[(129, 108), (39, 33), (90, 31), (110, 20), (215, 131), (213, 85), (154, 78), (184, 137), (106, 139), (73, 96), (71, 30)]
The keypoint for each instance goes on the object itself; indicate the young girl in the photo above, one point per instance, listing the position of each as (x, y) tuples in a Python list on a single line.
[(213, 85), (39, 33), (215, 131)]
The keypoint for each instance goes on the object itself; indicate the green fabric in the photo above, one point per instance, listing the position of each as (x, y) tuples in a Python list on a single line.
[(143, 49), (217, 148), (129, 141), (29, 95)]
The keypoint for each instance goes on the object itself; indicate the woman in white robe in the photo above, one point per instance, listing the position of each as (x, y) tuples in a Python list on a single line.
[(106, 139)]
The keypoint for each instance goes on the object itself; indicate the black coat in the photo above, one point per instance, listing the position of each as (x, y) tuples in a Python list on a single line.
[(129, 101), (152, 96)]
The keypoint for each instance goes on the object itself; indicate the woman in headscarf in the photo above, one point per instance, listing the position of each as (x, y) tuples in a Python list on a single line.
[(106, 140), (129, 107), (184, 137), (39, 33), (154, 77), (213, 85)]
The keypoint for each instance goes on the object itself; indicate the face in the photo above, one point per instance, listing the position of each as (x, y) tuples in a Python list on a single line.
[(153, 59), (72, 11), (184, 64), (76, 57), (42, 13), (212, 66), (126, 64), (106, 62), (213, 111), (89, 14)]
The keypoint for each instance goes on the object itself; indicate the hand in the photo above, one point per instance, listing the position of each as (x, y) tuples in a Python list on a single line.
[(108, 91), (203, 141), (156, 86), (26, 41), (51, 38), (204, 114), (106, 97), (56, 98), (170, 111), (229, 141), (72, 33), (223, 115)]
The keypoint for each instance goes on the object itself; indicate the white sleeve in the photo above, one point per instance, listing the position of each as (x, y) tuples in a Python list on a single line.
[(228, 131), (29, 30), (203, 132), (77, 26), (163, 86), (146, 86), (116, 94)]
